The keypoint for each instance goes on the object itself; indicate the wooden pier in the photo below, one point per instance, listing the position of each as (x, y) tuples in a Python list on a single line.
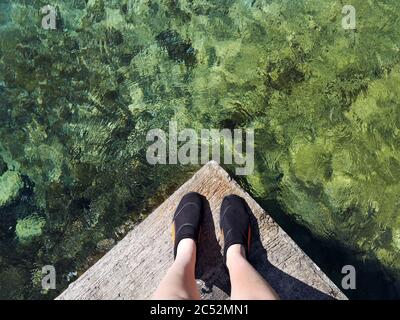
[(133, 268)]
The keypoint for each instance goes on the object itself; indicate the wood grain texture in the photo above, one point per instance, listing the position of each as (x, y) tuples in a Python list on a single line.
[(133, 268)]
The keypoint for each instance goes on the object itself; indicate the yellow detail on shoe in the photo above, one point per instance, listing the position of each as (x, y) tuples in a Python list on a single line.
[(173, 232)]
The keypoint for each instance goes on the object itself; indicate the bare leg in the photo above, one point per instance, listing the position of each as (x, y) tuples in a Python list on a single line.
[(246, 282), (179, 282)]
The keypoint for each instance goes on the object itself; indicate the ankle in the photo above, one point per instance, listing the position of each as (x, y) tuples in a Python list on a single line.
[(186, 251), (235, 253)]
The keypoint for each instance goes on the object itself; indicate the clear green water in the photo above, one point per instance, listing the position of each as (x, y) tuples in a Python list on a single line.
[(76, 104)]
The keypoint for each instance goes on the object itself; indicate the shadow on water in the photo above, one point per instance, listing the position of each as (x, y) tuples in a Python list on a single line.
[(373, 280), (211, 271)]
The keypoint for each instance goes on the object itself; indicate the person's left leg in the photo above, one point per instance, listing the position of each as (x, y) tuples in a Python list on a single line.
[(179, 283)]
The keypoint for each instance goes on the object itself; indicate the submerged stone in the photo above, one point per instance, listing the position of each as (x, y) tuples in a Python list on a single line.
[(105, 245), (3, 167), (29, 228), (10, 186), (177, 48)]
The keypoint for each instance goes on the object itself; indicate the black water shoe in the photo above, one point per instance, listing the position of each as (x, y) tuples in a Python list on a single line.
[(187, 219), (235, 223)]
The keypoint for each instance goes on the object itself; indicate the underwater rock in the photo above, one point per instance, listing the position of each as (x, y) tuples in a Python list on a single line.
[(396, 239), (124, 228), (105, 245), (178, 49), (114, 37), (10, 186), (3, 167), (95, 13), (29, 228), (12, 283)]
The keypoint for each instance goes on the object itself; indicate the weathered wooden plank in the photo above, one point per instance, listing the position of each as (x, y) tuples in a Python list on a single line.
[(133, 268)]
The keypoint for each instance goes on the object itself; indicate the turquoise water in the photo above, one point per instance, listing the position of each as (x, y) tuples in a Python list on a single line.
[(78, 101)]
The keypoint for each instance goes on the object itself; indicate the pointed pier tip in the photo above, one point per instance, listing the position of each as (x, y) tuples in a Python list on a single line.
[(134, 267)]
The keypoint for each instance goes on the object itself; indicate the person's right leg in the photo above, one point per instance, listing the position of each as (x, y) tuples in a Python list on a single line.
[(179, 282), (246, 282)]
